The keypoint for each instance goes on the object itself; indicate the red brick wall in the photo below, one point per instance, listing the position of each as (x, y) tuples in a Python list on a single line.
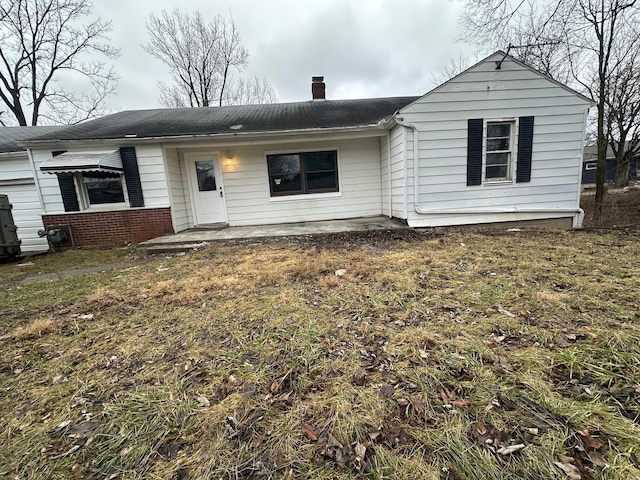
[(109, 229)]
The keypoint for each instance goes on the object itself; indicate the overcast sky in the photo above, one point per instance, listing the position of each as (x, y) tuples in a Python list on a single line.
[(363, 48)]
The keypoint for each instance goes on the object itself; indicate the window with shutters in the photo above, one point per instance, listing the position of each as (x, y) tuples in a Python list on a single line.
[(499, 151), (99, 188), (97, 180)]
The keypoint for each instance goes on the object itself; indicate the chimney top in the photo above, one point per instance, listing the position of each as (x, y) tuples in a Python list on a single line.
[(317, 88)]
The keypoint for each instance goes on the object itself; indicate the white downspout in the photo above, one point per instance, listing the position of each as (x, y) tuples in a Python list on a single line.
[(37, 182), (389, 172), (416, 176), (579, 217)]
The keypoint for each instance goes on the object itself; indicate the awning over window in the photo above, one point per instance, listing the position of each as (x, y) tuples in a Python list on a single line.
[(73, 162)]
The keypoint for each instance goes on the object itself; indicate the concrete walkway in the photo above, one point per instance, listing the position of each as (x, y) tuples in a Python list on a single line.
[(190, 238)]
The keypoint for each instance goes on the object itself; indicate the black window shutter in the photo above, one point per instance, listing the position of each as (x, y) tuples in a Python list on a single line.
[(474, 151), (525, 148), (132, 176), (67, 188), (68, 192)]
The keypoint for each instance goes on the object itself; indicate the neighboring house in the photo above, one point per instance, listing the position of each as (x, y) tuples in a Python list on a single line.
[(17, 182), (498, 143), (591, 159)]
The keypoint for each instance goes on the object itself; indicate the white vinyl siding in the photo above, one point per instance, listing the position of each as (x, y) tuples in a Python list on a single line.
[(397, 172), (150, 166), (177, 190), (483, 92), (384, 175), (248, 196), (16, 181)]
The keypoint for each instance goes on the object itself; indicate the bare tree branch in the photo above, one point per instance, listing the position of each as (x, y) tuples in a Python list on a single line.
[(202, 57), (43, 42)]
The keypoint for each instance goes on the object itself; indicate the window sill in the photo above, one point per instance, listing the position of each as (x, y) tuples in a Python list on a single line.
[(107, 207), (304, 196), (497, 183)]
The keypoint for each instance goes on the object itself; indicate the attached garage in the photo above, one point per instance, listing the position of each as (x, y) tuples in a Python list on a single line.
[(17, 182)]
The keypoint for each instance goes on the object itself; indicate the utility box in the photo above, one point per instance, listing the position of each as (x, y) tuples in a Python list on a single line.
[(9, 242)]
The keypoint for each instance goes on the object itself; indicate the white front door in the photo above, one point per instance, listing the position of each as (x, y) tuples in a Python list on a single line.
[(206, 188)]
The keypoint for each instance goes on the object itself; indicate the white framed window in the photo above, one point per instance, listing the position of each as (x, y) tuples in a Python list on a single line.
[(590, 166), (499, 151), (101, 189)]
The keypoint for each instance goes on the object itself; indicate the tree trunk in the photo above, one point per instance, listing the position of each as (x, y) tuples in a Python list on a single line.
[(623, 164), (601, 166)]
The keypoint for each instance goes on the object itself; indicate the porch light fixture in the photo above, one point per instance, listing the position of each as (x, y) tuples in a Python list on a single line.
[(229, 157)]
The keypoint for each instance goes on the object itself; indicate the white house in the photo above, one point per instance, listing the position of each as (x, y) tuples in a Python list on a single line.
[(498, 143)]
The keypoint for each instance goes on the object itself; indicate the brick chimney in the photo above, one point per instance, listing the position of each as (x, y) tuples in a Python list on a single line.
[(317, 88)]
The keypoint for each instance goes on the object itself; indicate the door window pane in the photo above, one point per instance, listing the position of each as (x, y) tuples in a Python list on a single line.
[(206, 175)]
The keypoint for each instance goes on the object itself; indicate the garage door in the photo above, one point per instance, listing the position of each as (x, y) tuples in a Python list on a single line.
[(26, 214)]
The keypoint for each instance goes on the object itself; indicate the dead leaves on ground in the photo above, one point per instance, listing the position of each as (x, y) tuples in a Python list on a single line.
[(358, 455)]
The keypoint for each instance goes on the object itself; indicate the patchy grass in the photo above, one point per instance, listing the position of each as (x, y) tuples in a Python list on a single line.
[(621, 208), (51, 266), (427, 358)]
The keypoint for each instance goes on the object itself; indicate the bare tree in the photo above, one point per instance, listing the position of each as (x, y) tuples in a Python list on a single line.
[(44, 45), (622, 109), (202, 55), (250, 92), (579, 34), (451, 68)]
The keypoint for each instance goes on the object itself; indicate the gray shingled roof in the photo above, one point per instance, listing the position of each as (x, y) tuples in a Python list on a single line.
[(10, 135), (172, 122)]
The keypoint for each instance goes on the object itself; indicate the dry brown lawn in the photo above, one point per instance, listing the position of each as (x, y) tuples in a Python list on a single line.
[(493, 355)]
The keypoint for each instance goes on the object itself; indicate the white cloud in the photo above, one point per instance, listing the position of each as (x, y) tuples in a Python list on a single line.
[(363, 48)]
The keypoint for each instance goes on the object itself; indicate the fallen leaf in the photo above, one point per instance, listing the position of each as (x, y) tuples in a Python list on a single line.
[(203, 401), (418, 404), (445, 398), (387, 391), (341, 272), (360, 377), (461, 403), (333, 441), (588, 440), (510, 449), (360, 450), (309, 432), (570, 470)]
